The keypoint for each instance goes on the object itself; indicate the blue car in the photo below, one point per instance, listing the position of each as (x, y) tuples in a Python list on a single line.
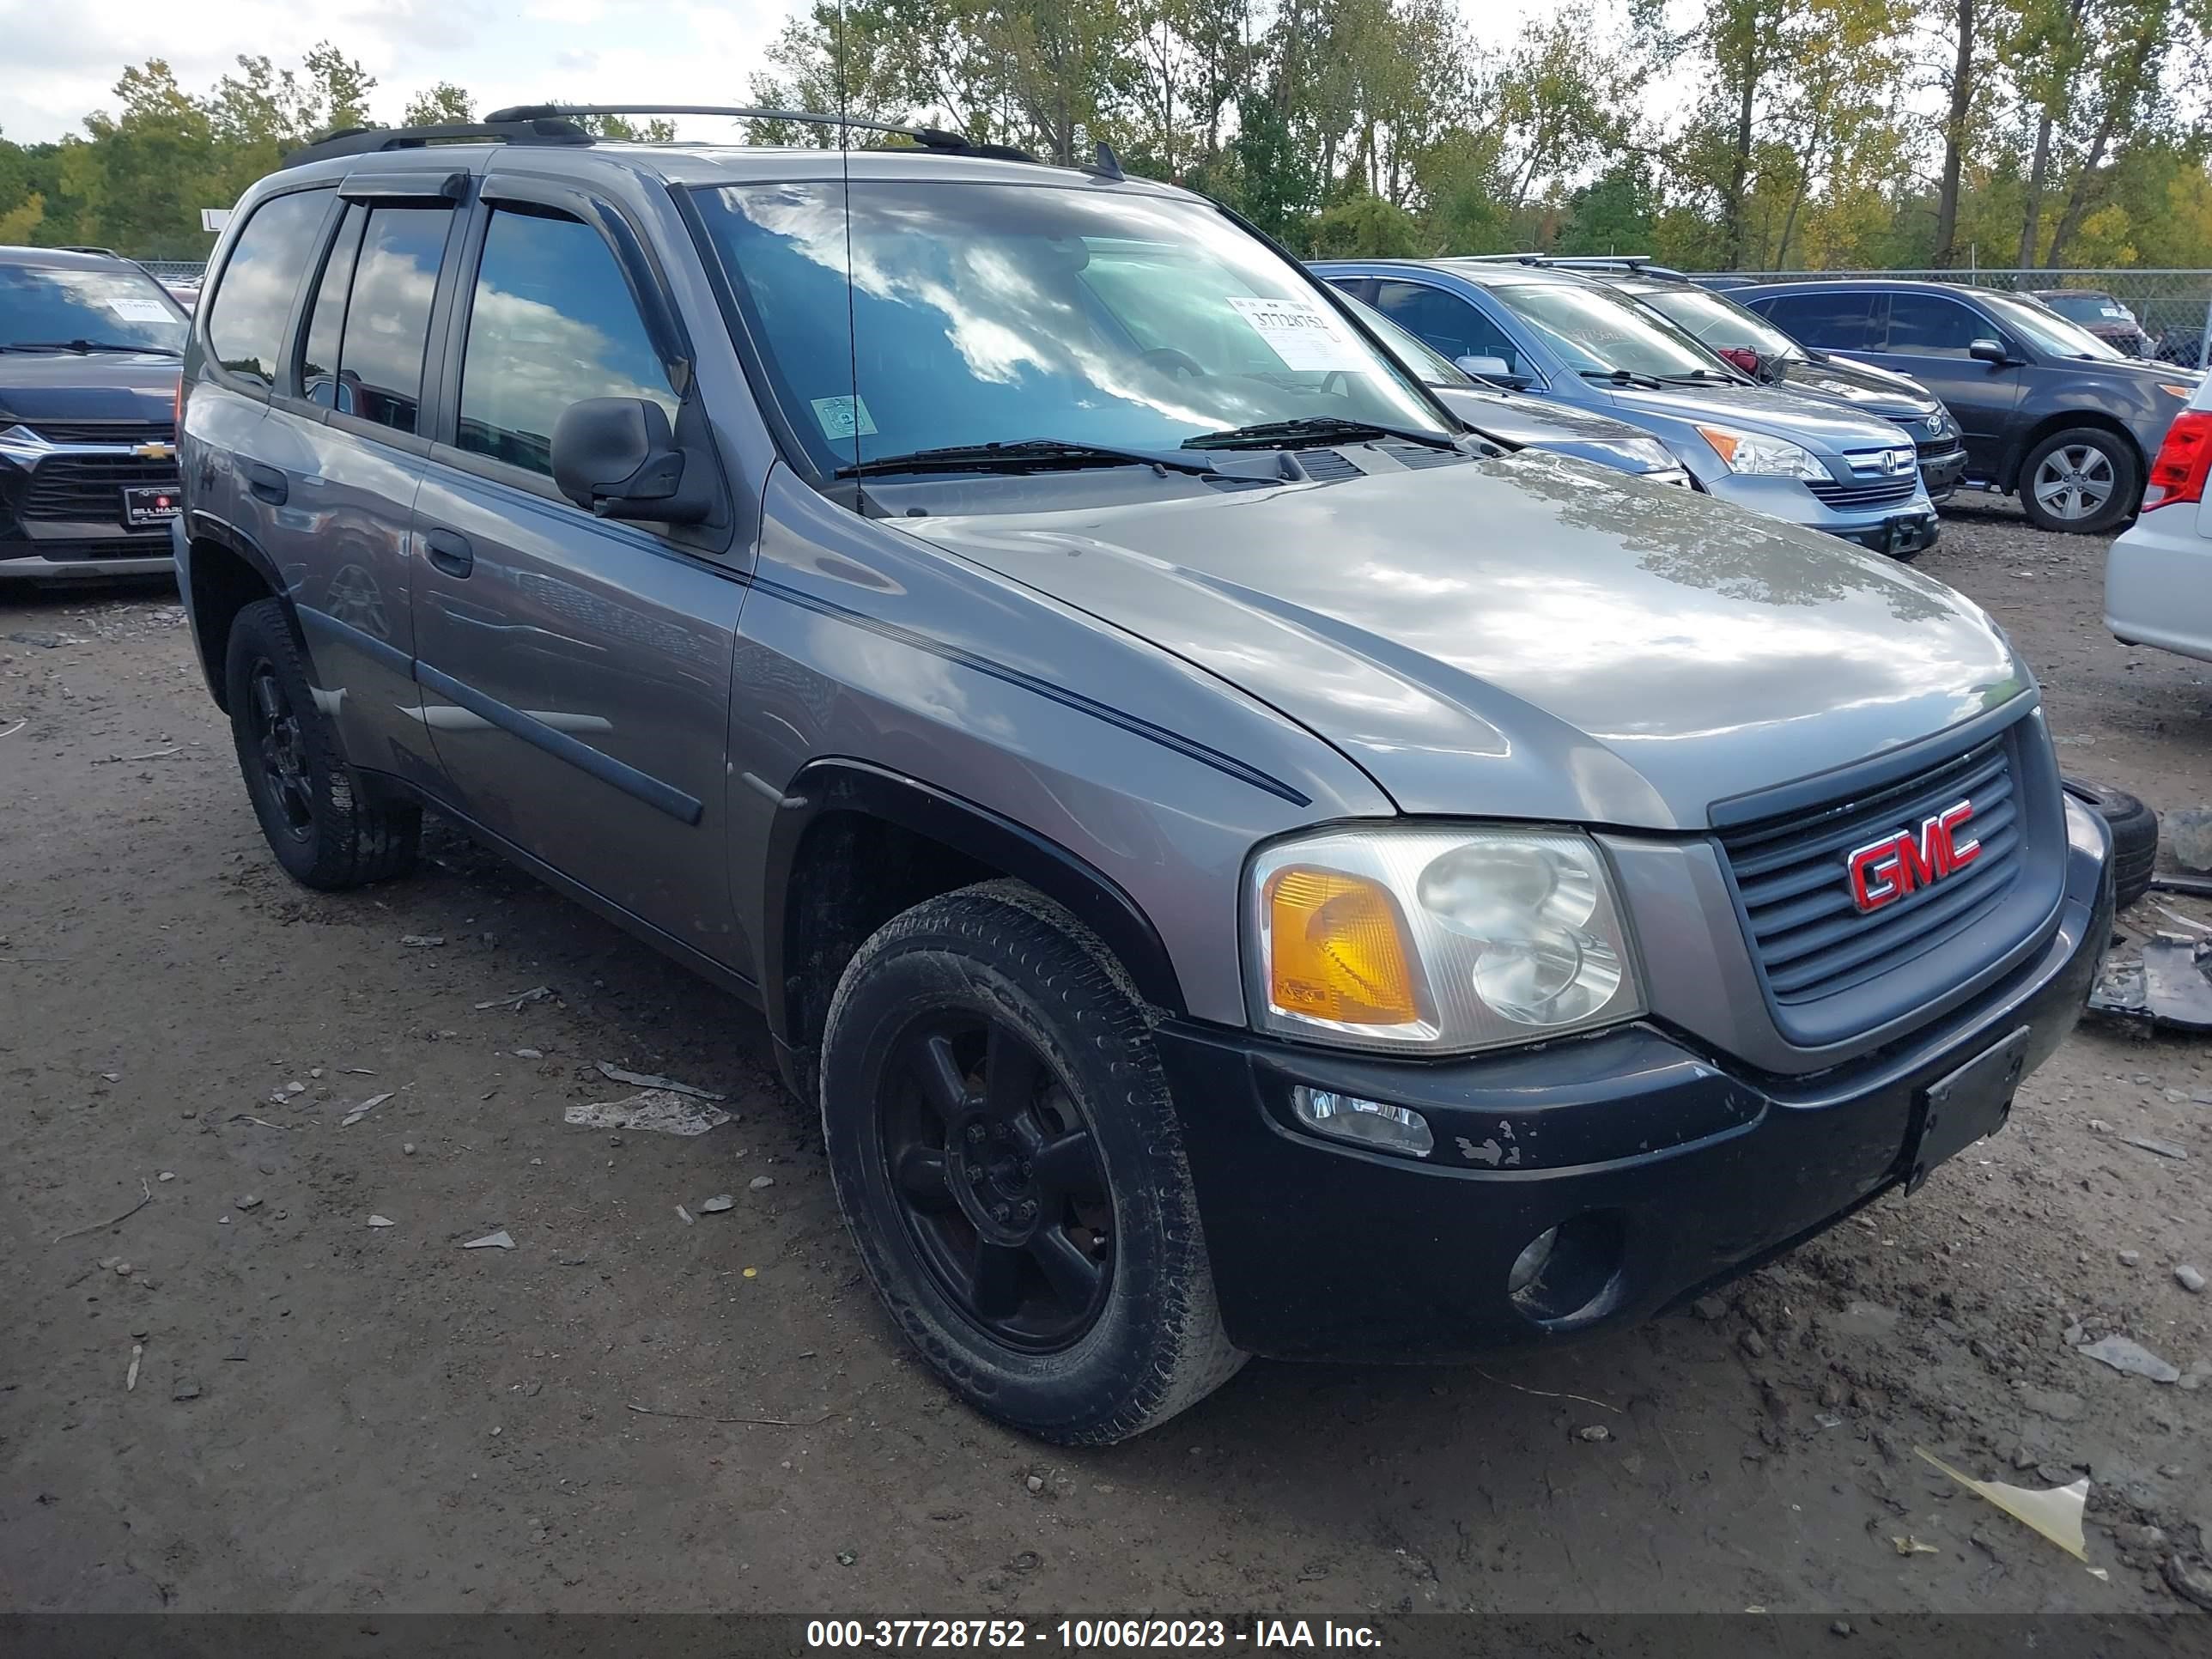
[(1556, 335)]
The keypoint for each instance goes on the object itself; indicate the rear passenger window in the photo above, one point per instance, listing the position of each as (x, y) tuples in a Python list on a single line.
[(253, 301), (1826, 322), (319, 359), (387, 320), (552, 323)]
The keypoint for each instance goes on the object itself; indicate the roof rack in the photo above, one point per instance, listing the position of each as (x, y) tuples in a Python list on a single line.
[(367, 141), (1641, 263), (86, 247), (936, 138)]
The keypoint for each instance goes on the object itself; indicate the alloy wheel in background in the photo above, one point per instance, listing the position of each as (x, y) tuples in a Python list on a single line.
[(2075, 483)]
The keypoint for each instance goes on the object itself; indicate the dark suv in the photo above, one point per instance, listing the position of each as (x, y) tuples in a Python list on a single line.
[(2048, 409), (89, 350), (1238, 864)]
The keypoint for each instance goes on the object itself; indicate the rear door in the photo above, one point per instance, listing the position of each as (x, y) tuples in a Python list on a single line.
[(575, 670), (1928, 336), (351, 403)]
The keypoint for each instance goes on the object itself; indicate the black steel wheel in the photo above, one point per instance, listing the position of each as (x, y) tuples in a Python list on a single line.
[(1006, 1153), (322, 830)]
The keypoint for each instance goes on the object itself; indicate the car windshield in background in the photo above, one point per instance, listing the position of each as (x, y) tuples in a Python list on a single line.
[(1005, 314), (1414, 355), (58, 308), (2047, 330), (1599, 332), (1722, 322), (2088, 307)]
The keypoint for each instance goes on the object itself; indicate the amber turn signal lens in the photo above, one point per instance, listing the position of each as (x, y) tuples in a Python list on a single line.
[(1337, 950)]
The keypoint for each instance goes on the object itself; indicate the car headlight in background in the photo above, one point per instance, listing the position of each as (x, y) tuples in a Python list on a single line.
[(1448, 938), (1757, 456)]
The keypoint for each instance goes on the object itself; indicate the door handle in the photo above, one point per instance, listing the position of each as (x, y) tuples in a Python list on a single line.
[(450, 551), (268, 483)]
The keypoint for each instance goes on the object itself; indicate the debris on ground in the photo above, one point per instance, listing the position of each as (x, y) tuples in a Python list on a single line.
[(716, 1204), (2189, 833), (2168, 983), (2152, 1144), (186, 1389), (2189, 1277), (130, 1378), (761, 1183), (647, 1080), (658, 1109), (684, 1215), (2190, 1577), (1905, 1544), (498, 1241), (2125, 1354), (355, 1114), (145, 1197), (382, 1221), (1596, 1432), (2057, 1514), (249, 1201), (419, 940), (529, 1054), (514, 1004)]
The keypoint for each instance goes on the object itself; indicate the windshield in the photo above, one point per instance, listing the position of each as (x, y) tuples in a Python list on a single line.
[(2047, 330), (1416, 357), (1722, 322), (101, 305), (981, 313), (2088, 307), (1597, 330)]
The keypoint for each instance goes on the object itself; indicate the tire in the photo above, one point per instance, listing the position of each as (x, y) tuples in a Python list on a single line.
[(2108, 485), (323, 834), (2134, 836), (978, 1049)]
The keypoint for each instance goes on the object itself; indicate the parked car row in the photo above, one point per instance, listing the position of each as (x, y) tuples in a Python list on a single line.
[(1239, 861)]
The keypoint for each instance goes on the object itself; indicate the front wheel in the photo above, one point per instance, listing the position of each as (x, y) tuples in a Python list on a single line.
[(1005, 1151), (2084, 479)]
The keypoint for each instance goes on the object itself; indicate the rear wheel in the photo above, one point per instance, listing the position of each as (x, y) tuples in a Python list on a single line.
[(2084, 479), (1005, 1151), (322, 832)]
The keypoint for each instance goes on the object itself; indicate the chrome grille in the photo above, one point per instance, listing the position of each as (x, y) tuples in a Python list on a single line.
[(69, 487), (1808, 937), (1889, 492), (105, 432)]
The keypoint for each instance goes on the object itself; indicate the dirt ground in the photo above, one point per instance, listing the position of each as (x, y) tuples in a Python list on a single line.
[(333, 1416)]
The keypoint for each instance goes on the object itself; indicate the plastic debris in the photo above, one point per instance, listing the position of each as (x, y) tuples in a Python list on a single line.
[(2056, 1513), (535, 993), (130, 1378), (357, 1113), (498, 1241), (382, 1221), (647, 1080), (2125, 1354), (716, 1204), (684, 1215), (419, 940), (1906, 1544), (664, 1110), (2151, 1143)]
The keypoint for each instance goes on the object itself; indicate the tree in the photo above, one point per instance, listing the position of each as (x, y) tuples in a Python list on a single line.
[(442, 105)]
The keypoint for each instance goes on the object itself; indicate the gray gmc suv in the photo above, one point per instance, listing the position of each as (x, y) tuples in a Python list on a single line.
[(1238, 866)]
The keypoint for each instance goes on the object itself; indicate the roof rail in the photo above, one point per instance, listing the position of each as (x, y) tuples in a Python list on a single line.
[(86, 247), (367, 141), (1641, 264), (936, 138)]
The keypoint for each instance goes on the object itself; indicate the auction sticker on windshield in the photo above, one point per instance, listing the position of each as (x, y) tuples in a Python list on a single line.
[(1302, 332), (141, 311)]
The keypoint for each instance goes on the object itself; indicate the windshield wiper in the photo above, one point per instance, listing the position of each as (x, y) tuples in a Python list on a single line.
[(1703, 377), (1622, 377), (1264, 434), (1023, 455), (89, 346)]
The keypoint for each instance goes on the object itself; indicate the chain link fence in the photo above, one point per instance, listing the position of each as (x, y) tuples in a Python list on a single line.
[(190, 272), (2165, 315)]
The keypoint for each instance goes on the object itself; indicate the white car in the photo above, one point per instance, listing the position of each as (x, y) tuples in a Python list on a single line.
[(2158, 577)]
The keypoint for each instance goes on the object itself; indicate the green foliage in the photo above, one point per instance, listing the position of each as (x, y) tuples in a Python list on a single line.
[(1750, 133)]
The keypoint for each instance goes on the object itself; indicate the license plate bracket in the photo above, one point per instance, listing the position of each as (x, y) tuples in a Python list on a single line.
[(147, 505), (1904, 533), (1959, 1109)]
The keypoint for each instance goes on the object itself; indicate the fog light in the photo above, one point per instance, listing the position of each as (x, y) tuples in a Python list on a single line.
[(1365, 1122)]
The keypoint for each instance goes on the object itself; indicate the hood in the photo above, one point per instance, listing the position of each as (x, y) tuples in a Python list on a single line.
[(1815, 422), (1871, 390), (100, 385), (1522, 638), (1563, 429)]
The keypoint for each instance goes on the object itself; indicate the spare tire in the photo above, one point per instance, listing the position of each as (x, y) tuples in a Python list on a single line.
[(2134, 836)]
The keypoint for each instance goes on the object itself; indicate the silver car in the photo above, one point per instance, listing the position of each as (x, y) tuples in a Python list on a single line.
[(1236, 868)]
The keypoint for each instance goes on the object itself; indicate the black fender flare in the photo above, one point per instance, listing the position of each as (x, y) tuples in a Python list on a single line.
[(206, 528), (829, 786)]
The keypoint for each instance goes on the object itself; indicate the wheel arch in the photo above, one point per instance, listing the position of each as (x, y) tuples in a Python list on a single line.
[(855, 844), (2061, 421), (222, 573)]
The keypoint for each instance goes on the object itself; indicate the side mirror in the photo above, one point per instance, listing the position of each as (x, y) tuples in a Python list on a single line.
[(1987, 351), (617, 459), (1494, 369)]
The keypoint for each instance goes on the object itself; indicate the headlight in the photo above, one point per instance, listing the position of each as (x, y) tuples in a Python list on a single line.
[(1441, 939), (1756, 457)]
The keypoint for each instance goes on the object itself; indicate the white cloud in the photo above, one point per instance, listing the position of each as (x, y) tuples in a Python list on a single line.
[(61, 63)]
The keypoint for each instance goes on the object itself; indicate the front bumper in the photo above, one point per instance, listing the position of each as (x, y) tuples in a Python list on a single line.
[(1902, 526), (1667, 1168), (65, 509), (1941, 474)]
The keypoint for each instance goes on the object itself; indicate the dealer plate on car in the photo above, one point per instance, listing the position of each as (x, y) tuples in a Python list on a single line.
[(145, 505), (1972, 1102)]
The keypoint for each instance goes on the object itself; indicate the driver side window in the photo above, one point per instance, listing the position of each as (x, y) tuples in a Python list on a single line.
[(1444, 323)]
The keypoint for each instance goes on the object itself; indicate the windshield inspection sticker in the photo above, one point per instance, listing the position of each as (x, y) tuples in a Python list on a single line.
[(142, 311), (1302, 332), (844, 418)]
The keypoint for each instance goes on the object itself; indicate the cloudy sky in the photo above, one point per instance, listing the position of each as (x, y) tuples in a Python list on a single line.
[(61, 60)]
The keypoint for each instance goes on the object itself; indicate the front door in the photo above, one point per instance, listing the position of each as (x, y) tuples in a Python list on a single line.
[(1929, 339), (575, 671)]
